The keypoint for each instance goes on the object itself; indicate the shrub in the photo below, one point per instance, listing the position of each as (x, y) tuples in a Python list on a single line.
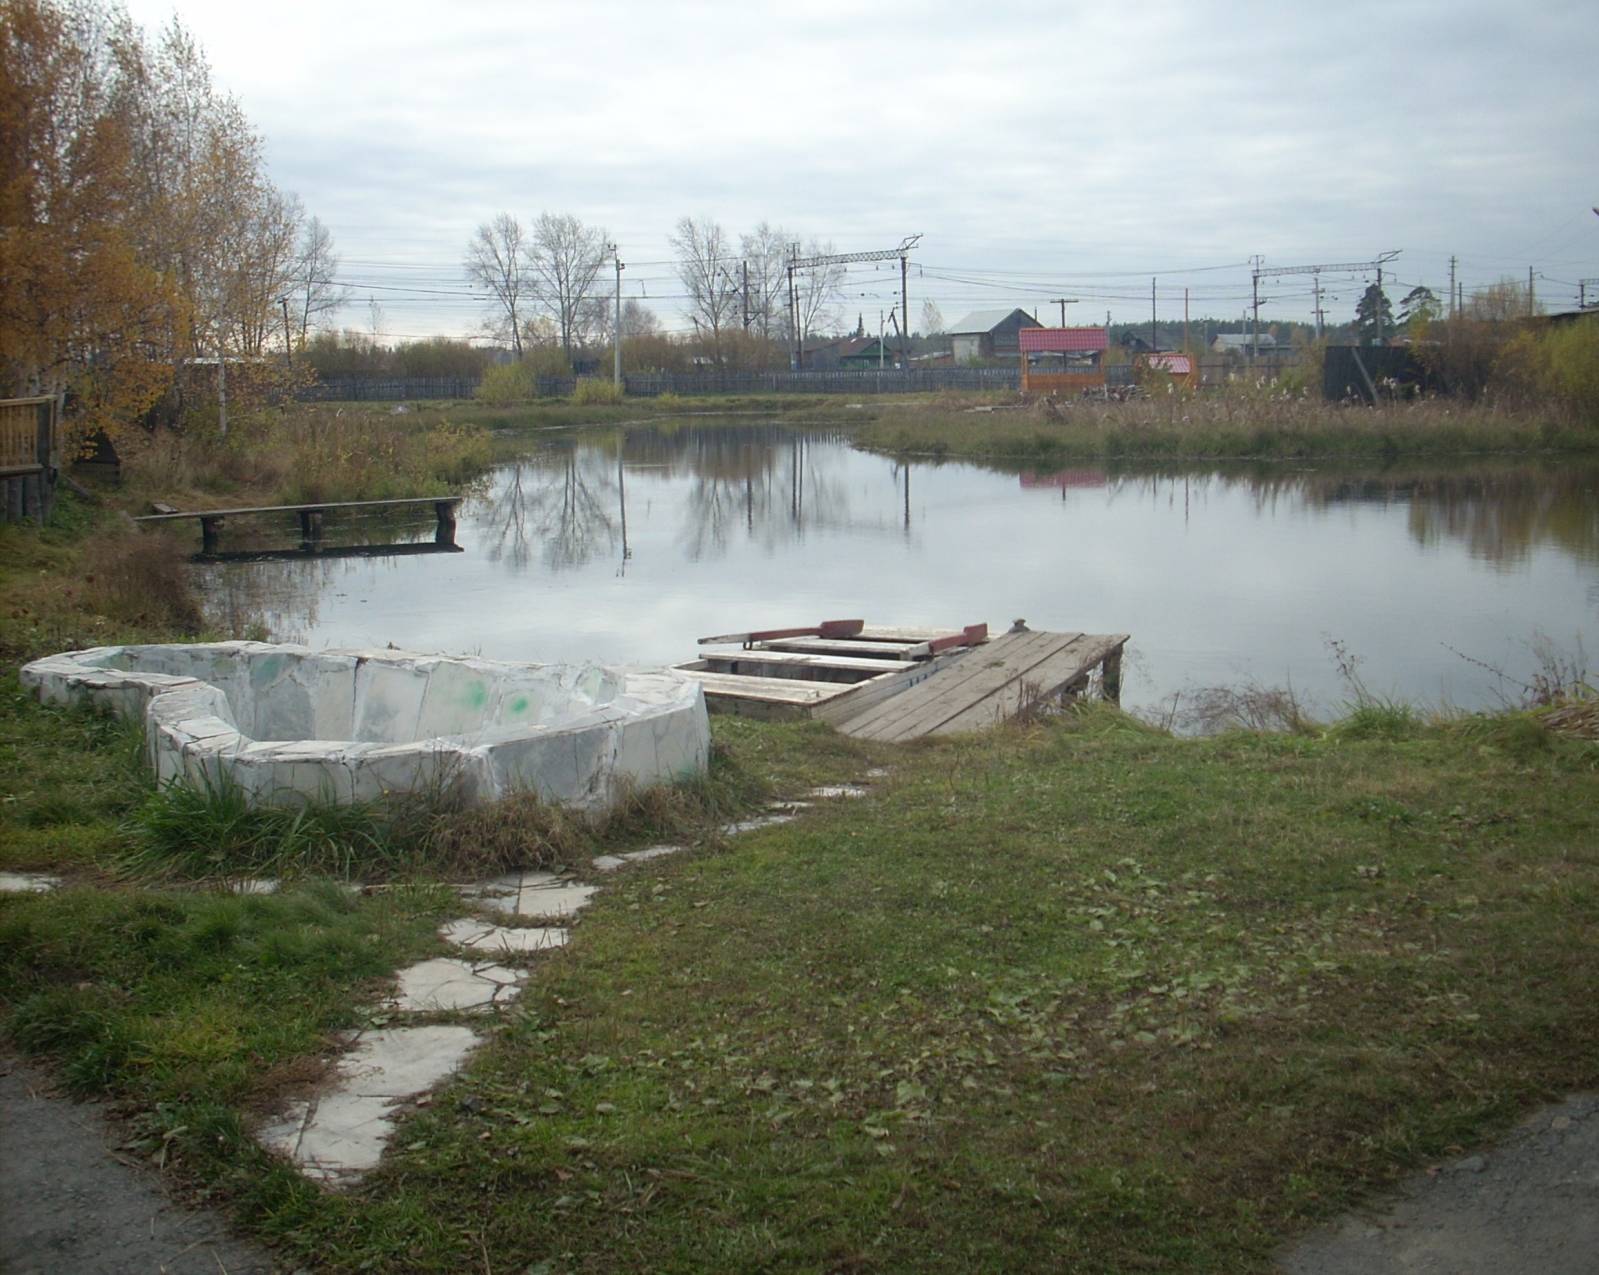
[(507, 383), (592, 389)]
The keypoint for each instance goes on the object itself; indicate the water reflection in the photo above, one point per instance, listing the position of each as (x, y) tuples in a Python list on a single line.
[(626, 545)]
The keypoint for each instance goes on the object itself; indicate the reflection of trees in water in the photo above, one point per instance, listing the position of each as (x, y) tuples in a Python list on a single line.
[(564, 501), (280, 597), (1500, 512), (760, 482)]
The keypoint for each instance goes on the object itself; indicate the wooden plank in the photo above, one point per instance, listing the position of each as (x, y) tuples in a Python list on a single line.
[(955, 688), (863, 696), (843, 646), (827, 628), (784, 690), (950, 680), (801, 661), (944, 700), (314, 505), (894, 633), (1046, 678)]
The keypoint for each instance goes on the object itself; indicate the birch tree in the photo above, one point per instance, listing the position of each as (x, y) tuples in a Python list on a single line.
[(705, 264), (315, 289), (496, 261), (565, 258)]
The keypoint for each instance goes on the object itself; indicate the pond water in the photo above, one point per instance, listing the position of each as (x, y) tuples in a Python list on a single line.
[(624, 547)]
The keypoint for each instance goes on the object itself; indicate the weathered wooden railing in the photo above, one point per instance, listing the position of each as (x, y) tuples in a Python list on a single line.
[(211, 520), (30, 456)]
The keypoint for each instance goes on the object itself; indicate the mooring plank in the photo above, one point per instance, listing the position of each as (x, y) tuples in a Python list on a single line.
[(1012, 662), (864, 695), (841, 646), (975, 674), (800, 661), (280, 509), (894, 633), (786, 690), (1057, 670)]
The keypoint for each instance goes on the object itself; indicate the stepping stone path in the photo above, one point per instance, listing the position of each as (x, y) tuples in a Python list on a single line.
[(27, 883), (339, 1134)]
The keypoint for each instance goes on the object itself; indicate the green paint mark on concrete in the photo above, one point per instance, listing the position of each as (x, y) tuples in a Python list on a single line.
[(265, 670), (519, 704), (477, 694)]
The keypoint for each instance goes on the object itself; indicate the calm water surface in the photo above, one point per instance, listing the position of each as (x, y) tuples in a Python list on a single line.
[(627, 547)]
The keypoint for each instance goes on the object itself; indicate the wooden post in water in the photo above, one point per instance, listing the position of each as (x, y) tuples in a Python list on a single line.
[(210, 529), (310, 526), (445, 535)]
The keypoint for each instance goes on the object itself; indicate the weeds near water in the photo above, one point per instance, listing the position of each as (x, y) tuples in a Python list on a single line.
[(210, 829)]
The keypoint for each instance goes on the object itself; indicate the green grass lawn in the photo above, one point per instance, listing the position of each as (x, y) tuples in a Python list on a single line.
[(1067, 996)]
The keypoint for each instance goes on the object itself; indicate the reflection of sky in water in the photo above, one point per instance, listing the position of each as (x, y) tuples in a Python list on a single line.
[(1219, 578)]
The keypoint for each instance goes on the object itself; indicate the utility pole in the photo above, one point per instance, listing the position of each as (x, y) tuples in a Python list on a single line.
[(746, 296), (1582, 291), (1452, 260), (793, 312), (616, 253), (288, 356), (1186, 348), (1379, 301), (905, 309), (797, 262), (1154, 338), (1254, 292), (879, 340), (1315, 287), (1316, 270), (1532, 299), (1063, 302)]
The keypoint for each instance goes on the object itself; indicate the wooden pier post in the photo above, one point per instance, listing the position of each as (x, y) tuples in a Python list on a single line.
[(1112, 675), (210, 530), (310, 526), (445, 535)]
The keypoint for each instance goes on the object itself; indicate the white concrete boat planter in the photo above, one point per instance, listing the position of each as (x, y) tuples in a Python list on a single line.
[(288, 723)]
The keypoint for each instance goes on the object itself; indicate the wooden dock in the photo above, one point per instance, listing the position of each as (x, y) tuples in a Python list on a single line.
[(993, 684), (895, 684), (311, 514)]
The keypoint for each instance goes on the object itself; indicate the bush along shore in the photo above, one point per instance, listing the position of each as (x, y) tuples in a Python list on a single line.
[(1073, 992)]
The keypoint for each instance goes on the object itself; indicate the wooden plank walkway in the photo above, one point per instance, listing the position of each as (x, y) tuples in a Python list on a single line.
[(991, 683)]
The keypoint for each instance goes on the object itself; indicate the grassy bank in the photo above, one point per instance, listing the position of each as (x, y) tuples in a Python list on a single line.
[(1070, 995), (1237, 424)]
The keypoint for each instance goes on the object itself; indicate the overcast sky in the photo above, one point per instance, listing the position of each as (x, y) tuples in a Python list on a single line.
[(1040, 149)]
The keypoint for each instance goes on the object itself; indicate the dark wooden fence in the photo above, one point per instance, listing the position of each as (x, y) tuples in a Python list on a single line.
[(30, 456), (649, 384)]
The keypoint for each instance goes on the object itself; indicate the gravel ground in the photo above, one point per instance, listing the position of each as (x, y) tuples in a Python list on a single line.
[(1528, 1206), (70, 1202)]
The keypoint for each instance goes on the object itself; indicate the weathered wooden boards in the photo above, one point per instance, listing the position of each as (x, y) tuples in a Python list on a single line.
[(211, 520), (896, 684), (813, 671), (990, 684)]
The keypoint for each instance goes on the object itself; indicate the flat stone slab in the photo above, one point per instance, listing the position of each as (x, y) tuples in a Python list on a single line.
[(533, 894), (340, 1134), (446, 983), (482, 936), (831, 792), (27, 883), (612, 862)]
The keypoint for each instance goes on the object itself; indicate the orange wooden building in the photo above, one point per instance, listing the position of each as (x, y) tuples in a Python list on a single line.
[(1062, 360)]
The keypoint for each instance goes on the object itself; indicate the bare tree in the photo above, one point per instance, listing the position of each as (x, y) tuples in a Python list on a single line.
[(932, 318), (315, 291), (818, 289), (564, 259), (639, 320), (705, 267), (765, 250), (496, 259)]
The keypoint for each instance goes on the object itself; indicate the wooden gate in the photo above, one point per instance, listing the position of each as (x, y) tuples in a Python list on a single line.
[(30, 456)]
